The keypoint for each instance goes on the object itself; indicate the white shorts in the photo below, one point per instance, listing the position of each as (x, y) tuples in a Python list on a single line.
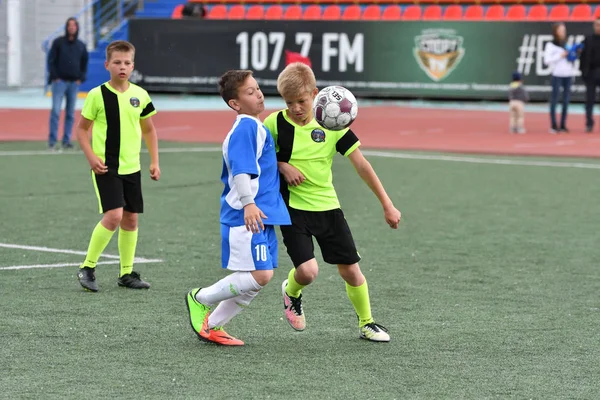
[(241, 250)]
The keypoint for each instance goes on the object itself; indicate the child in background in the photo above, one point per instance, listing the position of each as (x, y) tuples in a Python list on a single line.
[(517, 97)]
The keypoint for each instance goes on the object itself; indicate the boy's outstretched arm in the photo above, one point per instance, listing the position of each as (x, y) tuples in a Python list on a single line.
[(84, 142), (151, 139), (367, 173)]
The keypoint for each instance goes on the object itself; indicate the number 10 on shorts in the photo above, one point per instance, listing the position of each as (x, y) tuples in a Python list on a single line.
[(260, 253)]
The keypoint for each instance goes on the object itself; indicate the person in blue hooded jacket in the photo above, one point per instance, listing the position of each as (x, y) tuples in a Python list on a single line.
[(67, 66)]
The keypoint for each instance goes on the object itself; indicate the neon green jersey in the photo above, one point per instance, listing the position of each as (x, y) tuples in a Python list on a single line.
[(309, 148), (117, 134)]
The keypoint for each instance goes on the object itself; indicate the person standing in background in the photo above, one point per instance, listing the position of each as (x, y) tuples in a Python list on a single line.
[(563, 70), (517, 97), (67, 66), (589, 65)]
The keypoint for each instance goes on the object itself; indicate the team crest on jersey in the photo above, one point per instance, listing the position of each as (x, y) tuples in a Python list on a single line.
[(438, 52), (318, 135), (134, 101)]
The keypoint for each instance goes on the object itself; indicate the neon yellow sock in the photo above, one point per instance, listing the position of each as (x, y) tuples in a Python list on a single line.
[(127, 245), (100, 239), (359, 297), (293, 288)]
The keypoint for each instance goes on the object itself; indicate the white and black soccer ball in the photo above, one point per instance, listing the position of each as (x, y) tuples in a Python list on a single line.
[(335, 108)]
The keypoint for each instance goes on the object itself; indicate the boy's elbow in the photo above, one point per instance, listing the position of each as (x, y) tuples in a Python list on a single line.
[(149, 133)]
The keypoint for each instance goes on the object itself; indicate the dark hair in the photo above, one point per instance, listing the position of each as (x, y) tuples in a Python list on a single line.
[(230, 82), (555, 27), (119, 45)]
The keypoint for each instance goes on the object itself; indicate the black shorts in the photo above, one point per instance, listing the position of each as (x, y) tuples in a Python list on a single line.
[(329, 228), (116, 191)]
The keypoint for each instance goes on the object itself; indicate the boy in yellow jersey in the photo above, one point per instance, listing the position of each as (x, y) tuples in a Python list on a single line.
[(305, 152), (121, 113)]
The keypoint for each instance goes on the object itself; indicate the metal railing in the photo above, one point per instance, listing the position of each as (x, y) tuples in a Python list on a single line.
[(61, 30), (111, 15)]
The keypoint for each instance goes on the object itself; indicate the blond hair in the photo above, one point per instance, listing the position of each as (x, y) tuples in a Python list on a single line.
[(295, 80), (119, 45)]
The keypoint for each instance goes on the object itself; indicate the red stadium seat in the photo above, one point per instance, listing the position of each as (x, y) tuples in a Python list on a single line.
[(473, 12), (559, 12), (351, 13), (596, 13), (581, 12), (453, 13), (332, 13), (255, 12), (275, 11), (293, 12), (391, 13), (537, 12), (432, 13), (217, 12), (516, 12), (312, 12), (494, 13), (236, 12), (412, 13), (372, 13), (177, 12)]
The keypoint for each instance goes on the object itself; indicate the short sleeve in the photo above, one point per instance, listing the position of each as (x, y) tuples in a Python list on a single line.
[(242, 148), (271, 124), (148, 109), (347, 143), (90, 105)]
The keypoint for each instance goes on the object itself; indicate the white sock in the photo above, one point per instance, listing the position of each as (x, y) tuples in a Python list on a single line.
[(231, 286), (229, 308)]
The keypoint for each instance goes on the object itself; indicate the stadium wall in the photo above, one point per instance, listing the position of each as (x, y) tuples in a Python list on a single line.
[(418, 59)]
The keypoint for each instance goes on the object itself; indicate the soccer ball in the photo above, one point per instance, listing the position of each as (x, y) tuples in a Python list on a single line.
[(335, 108)]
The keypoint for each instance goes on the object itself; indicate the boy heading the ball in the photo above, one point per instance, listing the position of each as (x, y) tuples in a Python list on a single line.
[(305, 152), (251, 206)]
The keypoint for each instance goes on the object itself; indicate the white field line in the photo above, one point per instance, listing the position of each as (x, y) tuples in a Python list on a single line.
[(78, 153), (372, 153), (50, 250), (60, 265), (53, 265), (482, 160), (139, 260)]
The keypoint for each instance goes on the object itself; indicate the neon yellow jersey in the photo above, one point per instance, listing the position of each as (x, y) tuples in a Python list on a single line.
[(117, 134), (310, 149)]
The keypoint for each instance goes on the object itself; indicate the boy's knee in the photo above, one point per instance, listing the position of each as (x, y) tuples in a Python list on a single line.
[(129, 221), (262, 277), (351, 274), (112, 219), (307, 272)]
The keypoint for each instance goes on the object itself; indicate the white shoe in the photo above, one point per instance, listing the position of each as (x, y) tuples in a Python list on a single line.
[(374, 332)]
